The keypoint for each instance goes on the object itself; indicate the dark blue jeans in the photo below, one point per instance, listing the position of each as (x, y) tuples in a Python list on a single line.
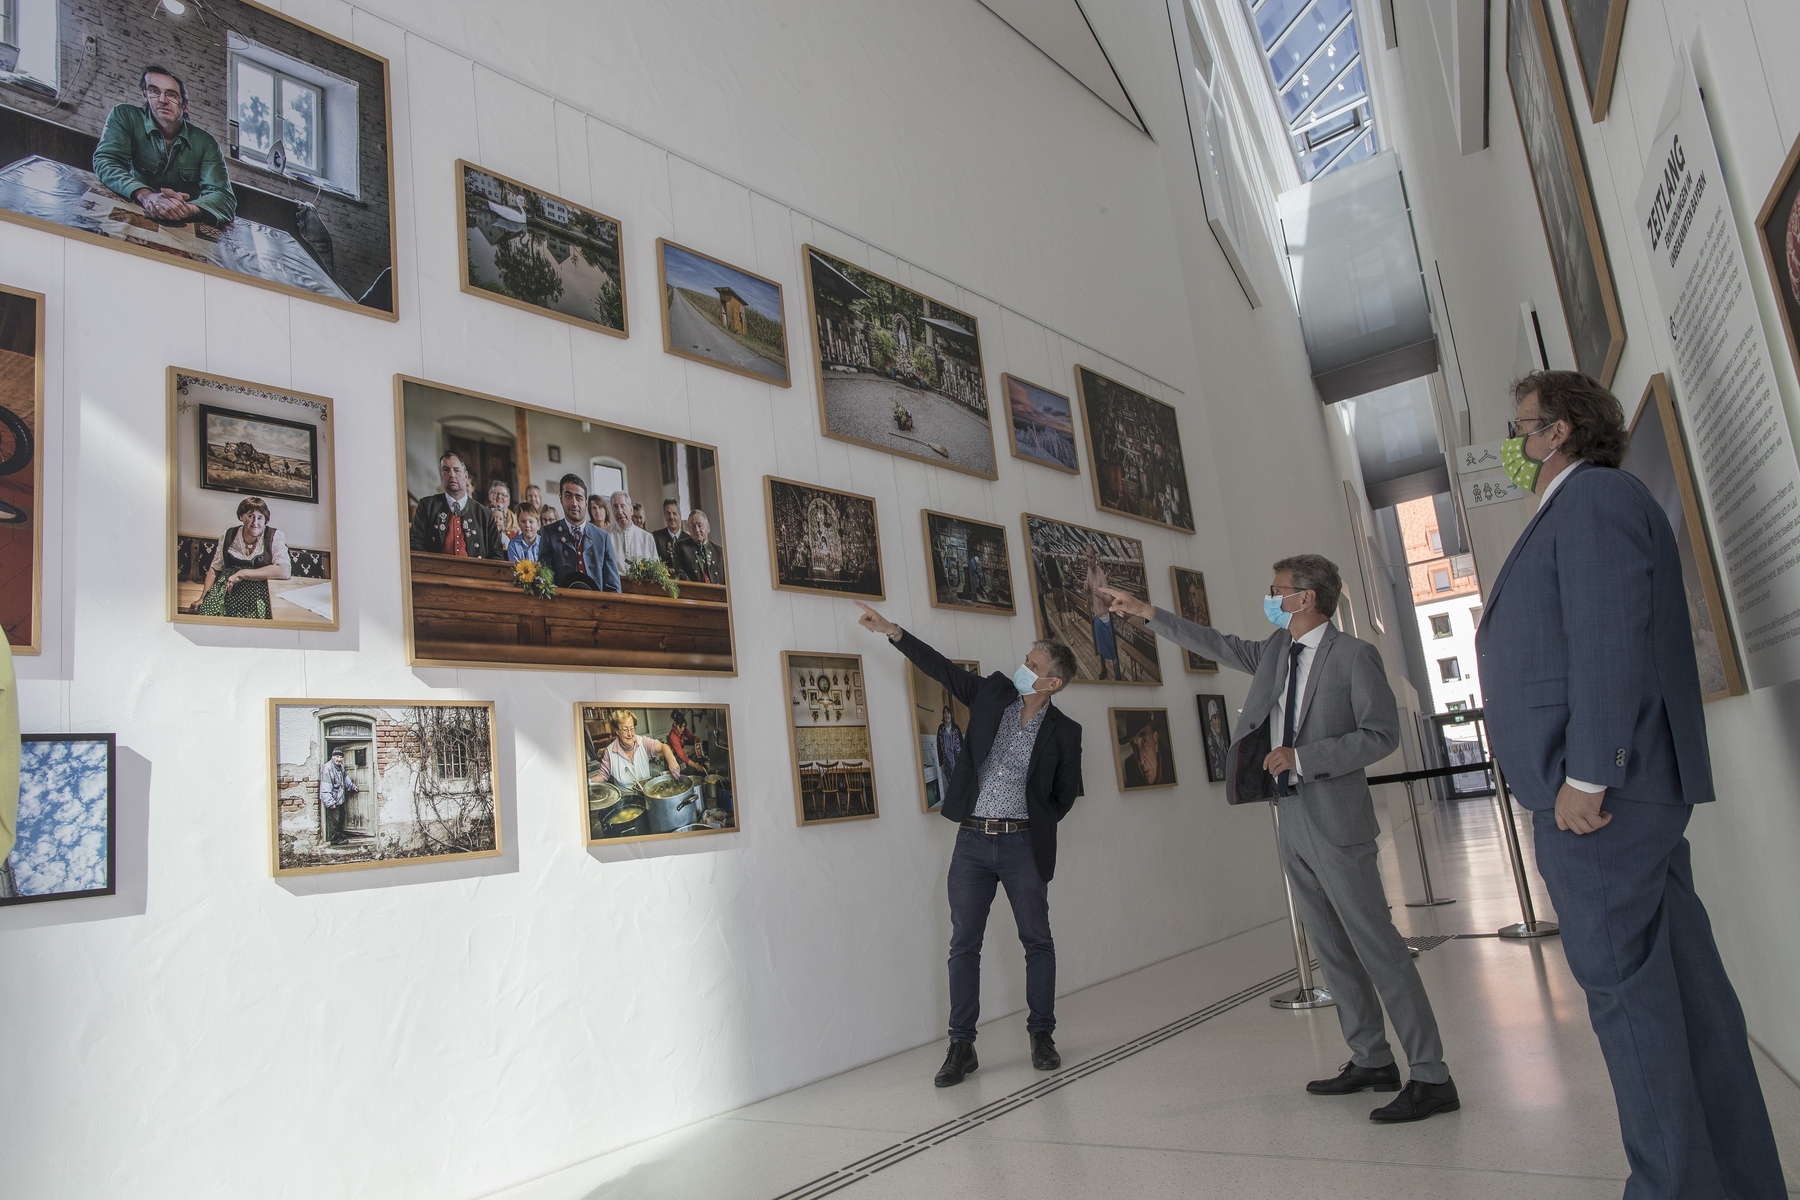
[(981, 861), (1640, 945)]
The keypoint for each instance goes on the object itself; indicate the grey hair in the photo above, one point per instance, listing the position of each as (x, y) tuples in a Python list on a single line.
[(1062, 659), (1316, 574)]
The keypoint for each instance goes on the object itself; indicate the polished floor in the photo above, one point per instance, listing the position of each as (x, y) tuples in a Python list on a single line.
[(1181, 1081)]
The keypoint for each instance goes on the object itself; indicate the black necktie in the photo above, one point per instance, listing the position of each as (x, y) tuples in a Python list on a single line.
[(1286, 782)]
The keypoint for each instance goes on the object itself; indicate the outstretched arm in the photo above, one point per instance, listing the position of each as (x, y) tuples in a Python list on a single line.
[(964, 685), (1201, 639)]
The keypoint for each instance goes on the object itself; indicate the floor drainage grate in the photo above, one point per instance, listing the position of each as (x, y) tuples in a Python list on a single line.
[(1429, 942)]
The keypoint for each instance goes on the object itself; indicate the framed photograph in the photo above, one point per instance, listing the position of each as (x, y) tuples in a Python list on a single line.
[(970, 566), (1191, 605), (1134, 453), (1778, 230), (1658, 455), (655, 771), (1565, 200), (541, 253), (898, 371), (1068, 562), (1043, 424), (67, 806), (1142, 752), (465, 586), (1598, 27), (939, 723), (722, 315), (1215, 734), (282, 173), (21, 467), (380, 783), (821, 540), (1367, 559), (252, 517), (828, 732)]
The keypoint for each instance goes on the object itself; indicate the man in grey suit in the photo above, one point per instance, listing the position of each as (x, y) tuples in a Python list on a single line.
[(1594, 713), (1320, 711)]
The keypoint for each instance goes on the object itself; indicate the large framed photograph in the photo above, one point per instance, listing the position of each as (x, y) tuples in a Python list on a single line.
[(65, 847), (823, 540), (1134, 453), (722, 315), (828, 733), (1565, 199), (940, 721), (898, 370), (539, 252), (380, 783), (1043, 424), (1778, 230), (1658, 455), (1598, 27), (1191, 604), (1215, 733), (971, 568), (280, 161), (21, 468), (655, 771), (252, 514), (544, 566), (1068, 562), (1143, 755)]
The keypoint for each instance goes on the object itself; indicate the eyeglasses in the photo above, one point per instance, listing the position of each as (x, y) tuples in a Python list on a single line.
[(1543, 423), (1277, 589)]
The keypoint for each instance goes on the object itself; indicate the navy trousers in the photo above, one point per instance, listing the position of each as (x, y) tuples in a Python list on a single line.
[(1639, 942), (980, 862)]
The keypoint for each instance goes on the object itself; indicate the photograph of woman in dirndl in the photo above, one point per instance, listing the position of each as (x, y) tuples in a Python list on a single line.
[(1105, 644), (249, 555)]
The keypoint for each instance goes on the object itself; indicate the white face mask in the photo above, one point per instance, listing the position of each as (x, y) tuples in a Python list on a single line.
[(1025, 679)]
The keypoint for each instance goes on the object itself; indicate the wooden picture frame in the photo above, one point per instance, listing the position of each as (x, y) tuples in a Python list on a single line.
[(1017, 391), (1091, 386), (1052, 607), (850, 782), (667, 297), (354, 716), (1366, 559), (561, 627), (937, 523), (1778, 233), (182, 567), (1565, 195), (22, 499), (1182, 581), (1215, 748), (206, 415), (39, 771), (775, 492), (1596, 48), (922, 712), (1124, 726), (652, 815), (983, 461), (1658, 456)]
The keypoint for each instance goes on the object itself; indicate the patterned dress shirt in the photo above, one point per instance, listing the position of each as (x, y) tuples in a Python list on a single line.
[(1002, 772)]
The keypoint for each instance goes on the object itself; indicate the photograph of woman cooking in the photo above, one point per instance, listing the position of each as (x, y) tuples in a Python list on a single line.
[(656, 771)]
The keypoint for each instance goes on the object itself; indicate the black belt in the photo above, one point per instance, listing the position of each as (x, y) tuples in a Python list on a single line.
[(990, 825)]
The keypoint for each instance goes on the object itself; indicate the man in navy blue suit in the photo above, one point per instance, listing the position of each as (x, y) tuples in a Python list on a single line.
[(1594, 713), (574, 549)]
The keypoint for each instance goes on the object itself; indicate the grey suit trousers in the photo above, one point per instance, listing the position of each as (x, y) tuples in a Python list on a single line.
[(1364, 959)]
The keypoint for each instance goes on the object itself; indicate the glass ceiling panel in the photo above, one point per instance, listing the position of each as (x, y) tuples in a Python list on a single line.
[(1315, 81), (1275, 16), (1317, 74), (1306, 36)]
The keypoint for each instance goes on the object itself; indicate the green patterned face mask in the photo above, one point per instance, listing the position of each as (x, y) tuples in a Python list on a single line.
[(1520, 467)]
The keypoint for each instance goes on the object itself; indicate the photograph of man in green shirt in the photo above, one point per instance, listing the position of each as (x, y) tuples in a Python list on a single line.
[(152, 155)]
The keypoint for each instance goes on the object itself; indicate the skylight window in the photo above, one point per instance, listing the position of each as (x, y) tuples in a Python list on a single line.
[(1316, 69)]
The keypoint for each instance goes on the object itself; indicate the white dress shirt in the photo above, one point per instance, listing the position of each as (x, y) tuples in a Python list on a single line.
[(631, 544), (1543, 499), (1310, 641)]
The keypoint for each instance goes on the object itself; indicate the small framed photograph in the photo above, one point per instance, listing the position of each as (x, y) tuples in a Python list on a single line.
[(1142, 751), (1043, 424), (22, 359), (828, 734), (971, 568), (823, 540), (67, 808), (940, 722), (1215, 734), (722, 315), (253, 454), (1191, 605), (1068, 564), (655, 771)]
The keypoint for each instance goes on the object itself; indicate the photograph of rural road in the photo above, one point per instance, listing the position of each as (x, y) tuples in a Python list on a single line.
[(717, 314)]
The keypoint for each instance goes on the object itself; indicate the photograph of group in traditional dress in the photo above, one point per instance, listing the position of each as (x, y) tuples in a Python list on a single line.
[(373, 783), (822, 540), (898, 370), (828, 732), (65, 846), (542, 539), (722, 315), (251, 504), (1069, 566), (1142, 751), (21, 467), (1043, 424), (540, 252), (1215, 734), (970, 566), (1191, 605), (655, 771), (939, 722), (221, 136), (1134, 453)]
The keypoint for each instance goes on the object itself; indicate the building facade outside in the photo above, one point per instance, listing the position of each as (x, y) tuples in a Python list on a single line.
[(1447, 604)]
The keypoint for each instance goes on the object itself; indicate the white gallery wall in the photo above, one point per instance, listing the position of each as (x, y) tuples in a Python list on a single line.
[(444, 1030), (1479, 226)]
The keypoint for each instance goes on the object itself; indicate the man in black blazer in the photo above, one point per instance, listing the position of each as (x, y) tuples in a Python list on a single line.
[(1018, 775)]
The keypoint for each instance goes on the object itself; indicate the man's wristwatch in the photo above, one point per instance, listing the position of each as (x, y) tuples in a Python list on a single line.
[(894, 637)]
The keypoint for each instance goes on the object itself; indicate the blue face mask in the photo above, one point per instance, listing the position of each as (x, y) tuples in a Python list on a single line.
[(1025, 679), (1278, 616)]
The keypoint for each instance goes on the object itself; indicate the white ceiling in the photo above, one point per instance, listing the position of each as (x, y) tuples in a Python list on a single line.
[(1060, 29)]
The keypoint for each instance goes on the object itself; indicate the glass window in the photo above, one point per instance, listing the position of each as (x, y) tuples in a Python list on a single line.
[(454, 757), (1315, 80), (270, 106), (1440, 581), (1440, 625), (1449, 670), (255, 110), (606, 476), (1436, 539), (1305, 37), (1456, 706), (29, 27), (301, 106)]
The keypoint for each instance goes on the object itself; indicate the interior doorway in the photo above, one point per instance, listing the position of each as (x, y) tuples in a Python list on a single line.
[(355, 737)]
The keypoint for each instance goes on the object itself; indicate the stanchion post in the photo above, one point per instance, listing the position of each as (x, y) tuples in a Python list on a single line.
[(1530, 927), (1430, 901), (1307, 995)]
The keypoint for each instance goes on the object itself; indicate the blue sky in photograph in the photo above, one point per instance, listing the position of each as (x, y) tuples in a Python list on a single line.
[(697, 274), (62, 818)]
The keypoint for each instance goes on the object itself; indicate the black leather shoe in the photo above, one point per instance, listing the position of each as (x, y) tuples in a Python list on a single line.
[(1043, 1053), (958, 1064), (1353, 1078), (1418, 1101)]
